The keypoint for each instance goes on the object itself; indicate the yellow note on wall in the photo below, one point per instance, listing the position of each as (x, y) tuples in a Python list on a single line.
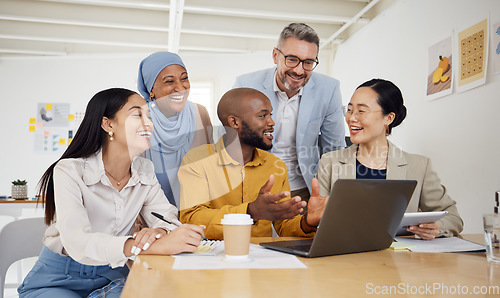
[(32, 120), (62, 141), (32, 128), (48, 106), (71, 117)]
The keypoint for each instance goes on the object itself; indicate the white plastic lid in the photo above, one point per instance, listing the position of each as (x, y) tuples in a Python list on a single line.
[(237, 219)]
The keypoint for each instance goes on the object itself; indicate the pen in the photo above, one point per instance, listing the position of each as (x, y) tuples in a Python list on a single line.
[(159, 216)]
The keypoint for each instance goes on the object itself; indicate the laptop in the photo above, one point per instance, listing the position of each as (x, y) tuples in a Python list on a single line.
[(360, 215)]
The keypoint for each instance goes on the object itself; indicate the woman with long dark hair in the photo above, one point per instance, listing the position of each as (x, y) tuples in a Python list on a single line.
[(376, 107), (93, 194)]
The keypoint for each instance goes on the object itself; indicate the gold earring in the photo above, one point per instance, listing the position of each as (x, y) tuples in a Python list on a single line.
[(152, 99), (110, 136)]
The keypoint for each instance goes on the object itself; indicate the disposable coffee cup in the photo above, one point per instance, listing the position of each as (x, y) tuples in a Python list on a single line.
[(237, 229), (492, 236)]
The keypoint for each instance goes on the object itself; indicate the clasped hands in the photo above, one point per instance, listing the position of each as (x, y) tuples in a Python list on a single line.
[(269, 206)]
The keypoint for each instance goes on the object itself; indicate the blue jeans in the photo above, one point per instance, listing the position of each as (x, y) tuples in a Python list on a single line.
[(54, 275)]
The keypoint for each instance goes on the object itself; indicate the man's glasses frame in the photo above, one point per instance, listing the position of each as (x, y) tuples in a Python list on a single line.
[(293, 61)]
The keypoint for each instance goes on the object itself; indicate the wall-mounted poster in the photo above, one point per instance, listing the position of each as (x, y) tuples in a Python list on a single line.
[(53, 114), (496, 47), (472, 56), (440, 70), (52, 127), (51, 140)]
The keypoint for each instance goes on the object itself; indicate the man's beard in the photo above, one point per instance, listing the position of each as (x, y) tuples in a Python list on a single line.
[(287, 85), (251, 138)]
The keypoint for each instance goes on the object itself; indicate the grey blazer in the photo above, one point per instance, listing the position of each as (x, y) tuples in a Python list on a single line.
[(429, 194)]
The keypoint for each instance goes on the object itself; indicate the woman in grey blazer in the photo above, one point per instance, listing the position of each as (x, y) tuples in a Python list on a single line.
[(375, 108)]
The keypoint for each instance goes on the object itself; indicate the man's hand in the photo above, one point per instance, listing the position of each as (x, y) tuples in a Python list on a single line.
[(316, 205), (268, 207)]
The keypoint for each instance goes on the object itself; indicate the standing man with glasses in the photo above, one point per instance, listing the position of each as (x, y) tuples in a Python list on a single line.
[(307, 106)]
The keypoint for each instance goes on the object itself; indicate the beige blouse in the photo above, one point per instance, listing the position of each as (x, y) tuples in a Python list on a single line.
[(93, 219)]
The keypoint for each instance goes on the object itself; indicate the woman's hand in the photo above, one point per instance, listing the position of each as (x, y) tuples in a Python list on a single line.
[(426, 231), (144, 238), (185, 238)]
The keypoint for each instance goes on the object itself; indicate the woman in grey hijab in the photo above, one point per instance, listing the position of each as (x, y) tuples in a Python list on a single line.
[(179, 124)]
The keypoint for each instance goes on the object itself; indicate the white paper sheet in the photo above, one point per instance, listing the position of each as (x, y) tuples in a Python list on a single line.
[(260, 258), (452, 244)]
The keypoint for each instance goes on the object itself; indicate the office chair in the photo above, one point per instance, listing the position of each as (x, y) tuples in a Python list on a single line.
[(5, 219), (19, 239)]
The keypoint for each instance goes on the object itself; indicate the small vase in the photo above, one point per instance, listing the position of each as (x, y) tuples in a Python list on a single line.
[(20, 192)]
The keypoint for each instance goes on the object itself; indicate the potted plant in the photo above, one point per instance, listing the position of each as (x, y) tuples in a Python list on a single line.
[(20, 189)]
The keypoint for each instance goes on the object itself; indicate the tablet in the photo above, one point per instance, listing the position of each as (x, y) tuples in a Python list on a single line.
[(415, 218)]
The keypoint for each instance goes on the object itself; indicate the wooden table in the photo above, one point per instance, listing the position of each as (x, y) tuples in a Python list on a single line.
[(21, 208), (12, 201), (402, 273)]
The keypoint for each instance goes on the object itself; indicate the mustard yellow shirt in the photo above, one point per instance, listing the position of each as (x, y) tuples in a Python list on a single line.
[(214, 184)]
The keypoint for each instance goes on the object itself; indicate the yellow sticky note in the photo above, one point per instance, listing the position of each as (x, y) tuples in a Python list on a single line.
[(71, 117), (201, 249), (32, 120), (32, 128), (48, 106), (70, 140), (401, 246), (62, 141)]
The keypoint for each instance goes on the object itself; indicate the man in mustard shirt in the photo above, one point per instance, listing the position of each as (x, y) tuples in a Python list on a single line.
[(238, 175)]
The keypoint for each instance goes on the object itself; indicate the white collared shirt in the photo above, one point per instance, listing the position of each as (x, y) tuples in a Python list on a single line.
[(93, 219), (286, 116)]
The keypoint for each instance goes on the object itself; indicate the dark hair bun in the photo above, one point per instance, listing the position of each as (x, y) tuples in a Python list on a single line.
[(400, 116)]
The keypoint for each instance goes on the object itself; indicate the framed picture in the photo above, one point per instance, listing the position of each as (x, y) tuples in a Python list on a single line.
[(440, 68), (472, 56)]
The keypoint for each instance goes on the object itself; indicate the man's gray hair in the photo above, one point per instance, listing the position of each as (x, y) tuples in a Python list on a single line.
[(299, 31)]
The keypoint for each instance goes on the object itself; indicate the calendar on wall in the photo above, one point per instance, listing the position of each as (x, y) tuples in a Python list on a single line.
[(472, 56)]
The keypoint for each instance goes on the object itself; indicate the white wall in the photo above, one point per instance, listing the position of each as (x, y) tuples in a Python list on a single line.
[(458, 132), (26, 81)]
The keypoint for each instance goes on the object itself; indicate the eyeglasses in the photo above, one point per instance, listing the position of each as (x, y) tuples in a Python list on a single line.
[(359, 113), (294, 61)]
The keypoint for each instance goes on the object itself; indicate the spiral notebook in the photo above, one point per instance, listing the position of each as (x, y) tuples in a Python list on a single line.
[(206, 248)]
